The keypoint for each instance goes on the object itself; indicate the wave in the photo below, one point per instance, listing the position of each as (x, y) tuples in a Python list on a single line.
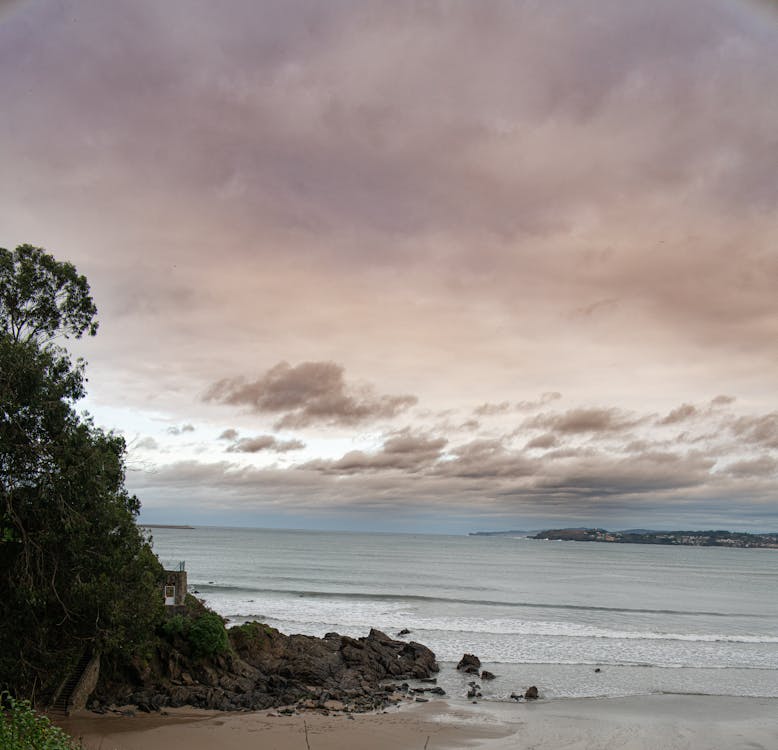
[(538, 629), (366, 596)]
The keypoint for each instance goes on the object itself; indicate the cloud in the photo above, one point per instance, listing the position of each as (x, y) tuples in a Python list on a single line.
[(722, 401), (762, 430), (309, 393), (763, 466), (489, 410), (176, 430), (578, 421), (681, 414), (404, 451), (147, 443), (229, 434), (265, 443), (547, 440)]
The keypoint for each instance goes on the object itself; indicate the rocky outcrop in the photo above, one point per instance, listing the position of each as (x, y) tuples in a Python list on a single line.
[(531, 693), (265, 668), (469, 664)]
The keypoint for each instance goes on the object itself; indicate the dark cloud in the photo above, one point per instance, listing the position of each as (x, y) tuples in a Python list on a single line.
[(763, 466), (229, 434), (578, 421), (264, 443), (485, 460), (547, 440), (722, 401), (403, 451), (146, 443), (681, 414), (762, 430), (309, 393)]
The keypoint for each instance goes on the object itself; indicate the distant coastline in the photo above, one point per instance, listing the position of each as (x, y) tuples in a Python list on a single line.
[(163, 526), (718, 538)]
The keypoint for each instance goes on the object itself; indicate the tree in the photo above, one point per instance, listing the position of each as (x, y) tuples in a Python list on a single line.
[(42, 298), (76, 572)]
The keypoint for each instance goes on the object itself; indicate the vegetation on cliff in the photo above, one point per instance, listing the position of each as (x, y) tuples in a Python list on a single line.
[(77, 571)]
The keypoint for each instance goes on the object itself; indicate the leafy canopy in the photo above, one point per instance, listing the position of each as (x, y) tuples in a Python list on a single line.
[(42, 298), (77, 573)]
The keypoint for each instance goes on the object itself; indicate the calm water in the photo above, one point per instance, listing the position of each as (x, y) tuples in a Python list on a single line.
[(654, 619)]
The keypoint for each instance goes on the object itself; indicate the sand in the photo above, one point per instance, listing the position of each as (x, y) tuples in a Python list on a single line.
[(659, 722)]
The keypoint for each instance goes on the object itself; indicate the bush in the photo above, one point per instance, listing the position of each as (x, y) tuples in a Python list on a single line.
[(208, 635), (22, 729), (173, 626)]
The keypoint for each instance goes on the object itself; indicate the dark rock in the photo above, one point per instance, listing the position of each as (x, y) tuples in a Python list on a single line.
[(404, 631), (432, 680), (598, 670), (421, 700), (531, 693), (266, 669), (437, 691), (469, 662), (515, 697), (487, 675)]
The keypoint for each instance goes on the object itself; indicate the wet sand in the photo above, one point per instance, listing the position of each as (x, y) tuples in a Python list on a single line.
[(659, 722)]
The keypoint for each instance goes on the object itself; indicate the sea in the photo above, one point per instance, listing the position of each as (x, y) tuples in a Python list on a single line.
[(651, 619)]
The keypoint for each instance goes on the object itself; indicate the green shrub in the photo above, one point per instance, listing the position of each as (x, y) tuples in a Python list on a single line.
[(175, 625), (22, 729), (208, 635)]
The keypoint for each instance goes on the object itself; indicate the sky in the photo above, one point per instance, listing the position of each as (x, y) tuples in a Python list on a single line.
[(414, 266)]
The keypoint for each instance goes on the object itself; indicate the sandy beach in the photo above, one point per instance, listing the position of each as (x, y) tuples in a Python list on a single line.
[(657, 722)]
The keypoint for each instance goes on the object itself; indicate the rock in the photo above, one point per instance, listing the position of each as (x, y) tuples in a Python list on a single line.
[(469, 662), (432, 680), (267, 669), (598, 670), (487, 675), (437, 691), (404, 631), (515, 697), (531, 693), (421, 700)]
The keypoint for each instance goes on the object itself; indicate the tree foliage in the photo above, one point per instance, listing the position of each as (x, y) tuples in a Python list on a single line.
[(76, 570), (208, 635), (22, 729), (42, 298)]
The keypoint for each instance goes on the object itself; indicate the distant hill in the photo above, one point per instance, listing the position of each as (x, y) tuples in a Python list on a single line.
[(710, 538), (513, 532)]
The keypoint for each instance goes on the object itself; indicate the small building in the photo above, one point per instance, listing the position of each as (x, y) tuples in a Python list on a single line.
[(174, 590)]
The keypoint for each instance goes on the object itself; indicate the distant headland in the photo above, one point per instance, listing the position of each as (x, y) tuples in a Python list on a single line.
[(642, 536), (163, 526)]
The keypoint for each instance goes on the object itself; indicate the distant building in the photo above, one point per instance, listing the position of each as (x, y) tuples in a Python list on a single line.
[(174, 590)]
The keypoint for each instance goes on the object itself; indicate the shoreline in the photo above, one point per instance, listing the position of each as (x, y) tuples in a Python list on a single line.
[(652, 722)]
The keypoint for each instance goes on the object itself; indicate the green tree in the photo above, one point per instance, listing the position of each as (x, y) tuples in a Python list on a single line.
[(76, 570)]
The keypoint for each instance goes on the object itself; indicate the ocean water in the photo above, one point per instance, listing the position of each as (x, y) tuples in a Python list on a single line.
[(653, 619)]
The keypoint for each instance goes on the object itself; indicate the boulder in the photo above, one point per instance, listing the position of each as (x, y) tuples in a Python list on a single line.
[(531, 693), (468, 663), (485, 675)]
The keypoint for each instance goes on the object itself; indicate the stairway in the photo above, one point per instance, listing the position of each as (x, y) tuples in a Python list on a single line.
[(60, 706)]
